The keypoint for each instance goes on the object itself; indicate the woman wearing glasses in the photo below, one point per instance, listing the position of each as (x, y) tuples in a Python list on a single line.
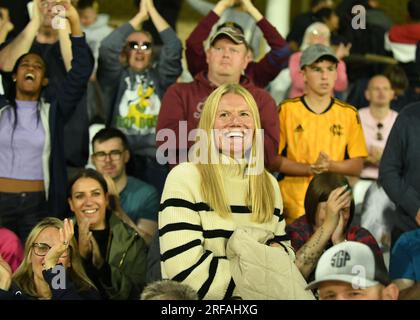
[(135, 83), (51, 269), (113, 252)]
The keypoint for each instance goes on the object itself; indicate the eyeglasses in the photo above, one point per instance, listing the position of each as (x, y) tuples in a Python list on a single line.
[(143, 46), (379, 135), (41, 249), (113, 154)]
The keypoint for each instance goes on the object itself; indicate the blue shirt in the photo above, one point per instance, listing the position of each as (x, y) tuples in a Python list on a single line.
[(405, 257), (139, 200)]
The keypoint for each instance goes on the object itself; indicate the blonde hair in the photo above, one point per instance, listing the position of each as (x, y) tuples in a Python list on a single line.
[(315, 28), (260, 197), (24, 275)]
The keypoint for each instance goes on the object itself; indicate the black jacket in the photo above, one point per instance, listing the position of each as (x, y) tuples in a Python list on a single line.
[(399, 171), (60, 291)]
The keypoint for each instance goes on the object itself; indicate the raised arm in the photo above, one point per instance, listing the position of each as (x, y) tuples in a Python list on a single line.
[(23, 42), (158, 21), (201, 6), (273, 61), (169, 66), (142, 15), (109, 64), (65, 45), (74, 86), (5, 25), (194, 52)]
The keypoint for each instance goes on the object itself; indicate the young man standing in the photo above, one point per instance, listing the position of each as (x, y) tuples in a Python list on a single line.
[(139, 200), (318, 133)]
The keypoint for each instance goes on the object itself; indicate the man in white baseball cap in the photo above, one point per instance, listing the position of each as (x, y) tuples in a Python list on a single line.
[(351, 271)]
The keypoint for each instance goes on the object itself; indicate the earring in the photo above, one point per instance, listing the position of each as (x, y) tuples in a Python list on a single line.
[(14, 79)]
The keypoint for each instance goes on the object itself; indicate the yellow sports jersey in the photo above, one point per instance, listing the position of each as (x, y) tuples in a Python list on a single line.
[(304, 133)]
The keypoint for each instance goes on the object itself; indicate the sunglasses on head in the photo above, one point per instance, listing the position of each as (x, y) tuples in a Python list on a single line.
[(379, 136), (139, 46)]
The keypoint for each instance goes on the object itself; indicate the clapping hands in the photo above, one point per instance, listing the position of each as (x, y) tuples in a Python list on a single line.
[(321, 165), (88, 246), (65, 235)]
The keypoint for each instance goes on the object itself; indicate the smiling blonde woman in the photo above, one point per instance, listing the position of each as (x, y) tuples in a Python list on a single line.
[(204, 202)]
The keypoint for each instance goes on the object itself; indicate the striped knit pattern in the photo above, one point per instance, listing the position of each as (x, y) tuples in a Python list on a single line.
[(193, 238)]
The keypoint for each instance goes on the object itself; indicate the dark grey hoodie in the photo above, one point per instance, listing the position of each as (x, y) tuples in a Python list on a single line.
[(132, 99)]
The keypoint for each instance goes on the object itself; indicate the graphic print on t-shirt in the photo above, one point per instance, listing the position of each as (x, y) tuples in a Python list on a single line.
[(139, 108)]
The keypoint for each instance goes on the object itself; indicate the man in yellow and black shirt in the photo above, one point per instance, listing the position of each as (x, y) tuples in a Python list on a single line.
[(317, 132)]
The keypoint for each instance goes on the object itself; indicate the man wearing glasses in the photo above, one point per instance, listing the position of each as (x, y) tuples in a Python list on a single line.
[(133, 84), (139, 200)]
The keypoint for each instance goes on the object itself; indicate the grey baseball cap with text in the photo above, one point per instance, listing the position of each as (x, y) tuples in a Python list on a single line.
[(314, 52)]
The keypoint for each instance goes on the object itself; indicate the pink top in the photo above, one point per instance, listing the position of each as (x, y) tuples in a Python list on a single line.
[(371, 131), (11, 249), (298, 85)]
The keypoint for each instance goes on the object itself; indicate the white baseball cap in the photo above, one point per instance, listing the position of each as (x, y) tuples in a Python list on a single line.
[(351, 262)]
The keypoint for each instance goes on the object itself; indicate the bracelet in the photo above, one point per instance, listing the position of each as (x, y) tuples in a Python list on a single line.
[(270, 241)]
